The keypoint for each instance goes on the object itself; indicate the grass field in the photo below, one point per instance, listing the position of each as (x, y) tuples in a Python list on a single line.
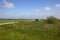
[(29, 30)]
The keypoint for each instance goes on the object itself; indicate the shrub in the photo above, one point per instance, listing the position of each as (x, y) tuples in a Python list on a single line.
[(52, 20), (36, 20)]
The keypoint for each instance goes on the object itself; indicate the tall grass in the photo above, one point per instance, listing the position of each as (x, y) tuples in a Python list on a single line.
[(30, 30)]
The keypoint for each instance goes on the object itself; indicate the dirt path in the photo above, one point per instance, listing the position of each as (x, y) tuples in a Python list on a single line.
[(7, 23)]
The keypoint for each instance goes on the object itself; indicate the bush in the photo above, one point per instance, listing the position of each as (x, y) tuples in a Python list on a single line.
[(36, 20), (52, 20)]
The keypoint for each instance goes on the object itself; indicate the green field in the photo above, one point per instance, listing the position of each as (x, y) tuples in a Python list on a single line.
[(29, 30)]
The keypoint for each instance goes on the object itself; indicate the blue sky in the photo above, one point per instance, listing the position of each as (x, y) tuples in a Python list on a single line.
[(29, 9)]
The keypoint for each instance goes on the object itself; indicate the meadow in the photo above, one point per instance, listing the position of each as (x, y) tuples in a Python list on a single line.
[(29, 30)]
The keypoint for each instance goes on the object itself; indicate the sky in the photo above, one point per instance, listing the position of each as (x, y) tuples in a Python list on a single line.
[(29, 9)]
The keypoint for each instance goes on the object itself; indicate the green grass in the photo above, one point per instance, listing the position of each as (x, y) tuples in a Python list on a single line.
[(29, 30), (5, 21)]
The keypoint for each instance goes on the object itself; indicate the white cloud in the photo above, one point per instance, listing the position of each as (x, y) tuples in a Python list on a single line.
[(8, 4), (58, 5), (47, 8), (37, 10)]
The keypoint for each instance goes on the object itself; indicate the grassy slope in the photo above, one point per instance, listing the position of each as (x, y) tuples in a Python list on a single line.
[(30, 30)]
